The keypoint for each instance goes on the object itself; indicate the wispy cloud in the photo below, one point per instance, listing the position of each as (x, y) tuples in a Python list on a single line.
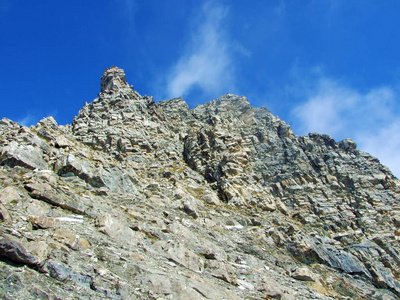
[(323, 108), (33, 117), (384, 143), (370, 118), (29, 119), (207, 62)]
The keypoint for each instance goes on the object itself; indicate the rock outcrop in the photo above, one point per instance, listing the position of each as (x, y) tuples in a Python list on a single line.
[(143, 200)]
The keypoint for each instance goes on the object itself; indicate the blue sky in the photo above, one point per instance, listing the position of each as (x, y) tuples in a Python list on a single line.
[(330, 66)]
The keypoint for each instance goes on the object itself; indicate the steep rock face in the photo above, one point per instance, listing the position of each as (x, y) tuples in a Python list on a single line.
[(144, 200)]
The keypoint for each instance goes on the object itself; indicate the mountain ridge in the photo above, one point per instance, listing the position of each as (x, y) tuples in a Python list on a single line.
[(146, 200)]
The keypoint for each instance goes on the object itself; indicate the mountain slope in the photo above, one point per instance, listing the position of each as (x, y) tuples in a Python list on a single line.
[(137, 199)]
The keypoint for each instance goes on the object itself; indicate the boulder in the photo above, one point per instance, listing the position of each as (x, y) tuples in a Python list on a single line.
[(26, 156), (14, 250)]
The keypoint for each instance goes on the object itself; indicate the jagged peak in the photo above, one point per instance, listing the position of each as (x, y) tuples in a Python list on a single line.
[(113, 79), (230, 99), (219, 202)]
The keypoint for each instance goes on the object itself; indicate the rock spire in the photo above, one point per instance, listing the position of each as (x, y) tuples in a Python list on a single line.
[(113, 80)]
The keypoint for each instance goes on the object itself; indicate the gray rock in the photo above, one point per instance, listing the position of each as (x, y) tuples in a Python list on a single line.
[(9, 194), (339, 259), (270, 287), (143, 200), (4, 214), (22, 155), (13, 250), (44, 222), (62, 142), (304, 274), (57, 270), (190, 208), (48, 193), (347, 144)]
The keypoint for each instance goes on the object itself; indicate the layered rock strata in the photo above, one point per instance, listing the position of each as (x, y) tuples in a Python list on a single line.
[(144, 200)]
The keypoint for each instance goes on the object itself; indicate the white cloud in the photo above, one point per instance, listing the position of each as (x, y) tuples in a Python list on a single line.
[(29, 119), (207, 64), (33, 117), (370, 118), (324, 107), (383, 143)]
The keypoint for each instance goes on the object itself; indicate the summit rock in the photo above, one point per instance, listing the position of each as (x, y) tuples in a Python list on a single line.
[(113, 80), (143, 200)]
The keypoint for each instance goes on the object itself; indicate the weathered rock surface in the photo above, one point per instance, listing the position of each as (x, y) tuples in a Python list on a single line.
[(144, 200)]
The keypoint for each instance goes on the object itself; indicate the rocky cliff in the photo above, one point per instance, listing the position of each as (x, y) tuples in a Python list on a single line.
[(144, 200)]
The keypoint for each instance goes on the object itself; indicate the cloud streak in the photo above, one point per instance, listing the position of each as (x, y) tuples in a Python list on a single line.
[(207, 62), (33, 117), (370, 118), (28, 120)]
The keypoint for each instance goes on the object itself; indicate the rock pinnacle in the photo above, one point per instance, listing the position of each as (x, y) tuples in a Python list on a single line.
[(113, 80)]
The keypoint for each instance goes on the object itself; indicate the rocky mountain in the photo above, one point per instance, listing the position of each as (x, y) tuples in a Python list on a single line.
[(144, 200)]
